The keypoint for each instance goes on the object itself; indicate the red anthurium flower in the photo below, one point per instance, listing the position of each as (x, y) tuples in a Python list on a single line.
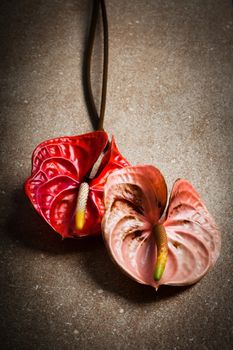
[(153, 246), (59, 167)]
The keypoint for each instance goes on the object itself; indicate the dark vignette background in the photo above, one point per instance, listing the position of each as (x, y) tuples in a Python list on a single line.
[(170, 103)]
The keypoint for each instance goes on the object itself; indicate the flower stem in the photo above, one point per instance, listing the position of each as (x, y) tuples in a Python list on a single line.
[(97, 117)]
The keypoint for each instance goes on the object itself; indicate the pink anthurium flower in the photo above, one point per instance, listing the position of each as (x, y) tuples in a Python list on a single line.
[(152, 244), (60, 167)]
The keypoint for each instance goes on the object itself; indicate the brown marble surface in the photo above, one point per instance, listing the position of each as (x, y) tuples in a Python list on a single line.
[(170, 103)]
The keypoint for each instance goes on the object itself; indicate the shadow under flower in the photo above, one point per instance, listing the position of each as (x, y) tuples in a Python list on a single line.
[(110, 278), (27, 228)]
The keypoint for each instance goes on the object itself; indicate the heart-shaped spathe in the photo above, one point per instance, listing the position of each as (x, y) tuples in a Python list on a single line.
[(135, 201), (59, 166)]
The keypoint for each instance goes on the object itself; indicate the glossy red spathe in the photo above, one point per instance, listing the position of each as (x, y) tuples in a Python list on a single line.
[(59, 166)]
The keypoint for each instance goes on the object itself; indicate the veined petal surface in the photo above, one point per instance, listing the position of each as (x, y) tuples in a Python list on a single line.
[(194, 239), (135, 198), (58, 167)]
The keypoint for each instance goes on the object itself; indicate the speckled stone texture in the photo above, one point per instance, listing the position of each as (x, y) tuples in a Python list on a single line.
[(170, 103)]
